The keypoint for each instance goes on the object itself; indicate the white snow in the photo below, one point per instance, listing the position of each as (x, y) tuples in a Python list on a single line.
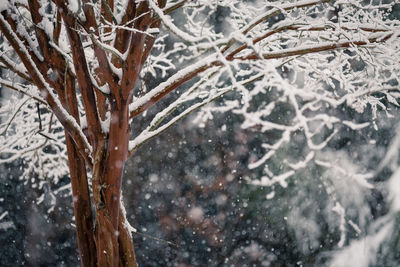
[(362, 253), (73, 6), (3, 5)]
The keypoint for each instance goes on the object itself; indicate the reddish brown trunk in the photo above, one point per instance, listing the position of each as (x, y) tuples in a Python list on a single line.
[(82, 207), (114, 244), (127, 253), (107, 242), (117, 154), (79, 183)]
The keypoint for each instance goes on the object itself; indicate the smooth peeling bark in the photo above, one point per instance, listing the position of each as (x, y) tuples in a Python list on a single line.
[(79, 183), (117, 152), (114, 245), (105, 238), (84, 81), (126, 249), (82, 205), (106, 241)]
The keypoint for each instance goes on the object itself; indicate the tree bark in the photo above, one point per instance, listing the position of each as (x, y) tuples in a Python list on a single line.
[(113, 241), (79, 181), (82, 206), (127, 252)]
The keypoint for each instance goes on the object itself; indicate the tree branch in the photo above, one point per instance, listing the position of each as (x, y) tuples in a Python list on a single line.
[(123, 36), (24, 42), (173, 7), (302, 28), (132, 65), (16, 87), (317, 48), (272, 13), (83, 76), (152, 97), (12, 67)]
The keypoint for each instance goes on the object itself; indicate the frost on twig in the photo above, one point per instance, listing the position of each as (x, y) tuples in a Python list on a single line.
[(38, 142)]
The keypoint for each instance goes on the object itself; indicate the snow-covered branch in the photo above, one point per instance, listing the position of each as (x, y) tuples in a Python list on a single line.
[(46, 91)]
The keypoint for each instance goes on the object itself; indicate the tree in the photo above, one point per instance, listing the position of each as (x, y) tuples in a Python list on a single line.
[(82, 69)]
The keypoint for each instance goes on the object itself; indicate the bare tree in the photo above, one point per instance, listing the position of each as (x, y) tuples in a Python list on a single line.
[(82, 66)]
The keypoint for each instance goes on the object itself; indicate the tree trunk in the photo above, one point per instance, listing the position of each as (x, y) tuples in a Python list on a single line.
[(79, 182), (113, 240), (126, 250), (82, 205)]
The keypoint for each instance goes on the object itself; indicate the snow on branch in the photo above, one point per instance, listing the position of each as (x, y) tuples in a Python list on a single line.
[(46, 91), (32, 138), (140, 104), (170, 25), (328, 46), (205, 97)]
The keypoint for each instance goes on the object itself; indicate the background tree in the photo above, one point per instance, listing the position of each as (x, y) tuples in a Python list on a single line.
[(287, 69)]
